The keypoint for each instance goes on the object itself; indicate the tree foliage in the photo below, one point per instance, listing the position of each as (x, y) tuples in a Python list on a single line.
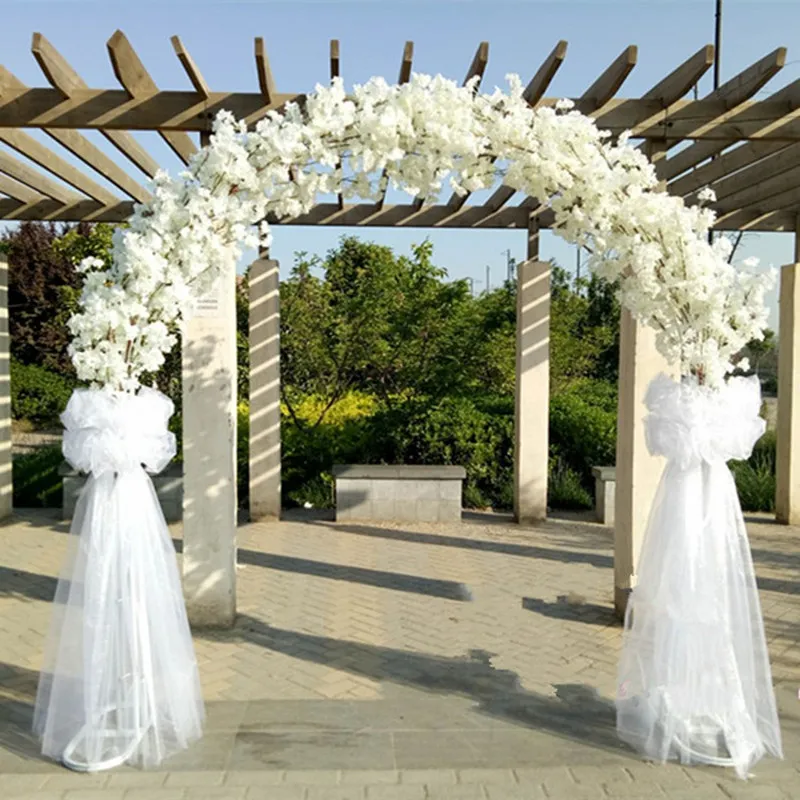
[(43, 286)]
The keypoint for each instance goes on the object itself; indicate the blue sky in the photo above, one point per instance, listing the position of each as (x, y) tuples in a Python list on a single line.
[(219, 35)]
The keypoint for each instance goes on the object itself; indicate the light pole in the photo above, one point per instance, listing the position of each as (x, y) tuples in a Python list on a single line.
[(717, 42)]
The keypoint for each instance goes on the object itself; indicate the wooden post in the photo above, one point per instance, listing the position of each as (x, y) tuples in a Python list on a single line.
[(787, 466), (209, 471), (6, 485), (638, 472), (532, 390), (265, 390)]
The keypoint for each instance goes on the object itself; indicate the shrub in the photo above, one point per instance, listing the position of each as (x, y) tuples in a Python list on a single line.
[(755, 478), (37, 483), (565, 489), (474, 432), (37, 394), (583, 427)]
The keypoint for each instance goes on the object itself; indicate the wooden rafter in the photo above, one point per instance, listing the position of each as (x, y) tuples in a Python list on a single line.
[(35, 180), (764, 190), (62, 77), (136, 81), (751, 176), (404, 77), (74, 211), (29, 147), (732, 93), (265, 80), (755, 146), (18, 191), (192, 72), (77, 144), (611, 80)]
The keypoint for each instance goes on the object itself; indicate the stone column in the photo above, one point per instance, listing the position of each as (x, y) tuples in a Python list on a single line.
[(532, 394), (787, 467), (265, 390), (638, 472), (209, 473), (6, 487)]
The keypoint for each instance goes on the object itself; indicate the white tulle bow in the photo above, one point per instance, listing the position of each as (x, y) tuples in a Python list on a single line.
[(689, 424), (116, 432)]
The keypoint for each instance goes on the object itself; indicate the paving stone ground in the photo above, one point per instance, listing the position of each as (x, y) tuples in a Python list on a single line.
[(420, 662)]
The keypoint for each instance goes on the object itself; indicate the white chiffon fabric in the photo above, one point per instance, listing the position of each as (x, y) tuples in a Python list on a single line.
[(120, 681), (694, 676)]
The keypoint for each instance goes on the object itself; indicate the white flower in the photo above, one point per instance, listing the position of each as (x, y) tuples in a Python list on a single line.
[(707, 195), (418, 137)]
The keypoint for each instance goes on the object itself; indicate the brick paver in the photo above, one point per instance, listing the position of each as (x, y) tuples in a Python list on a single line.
[(400, 662)]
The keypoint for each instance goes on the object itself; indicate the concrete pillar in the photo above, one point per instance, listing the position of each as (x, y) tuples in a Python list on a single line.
[(787, 467), (209, 442), (265, 390), (532, 391), (6, 486), (638, 472)]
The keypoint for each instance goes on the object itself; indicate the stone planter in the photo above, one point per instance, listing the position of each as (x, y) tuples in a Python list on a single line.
[(168, 486)]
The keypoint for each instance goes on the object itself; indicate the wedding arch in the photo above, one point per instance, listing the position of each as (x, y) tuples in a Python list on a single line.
[(601, 194)]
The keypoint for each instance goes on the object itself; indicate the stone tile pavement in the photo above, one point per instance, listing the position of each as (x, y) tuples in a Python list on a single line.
[(416, 662)]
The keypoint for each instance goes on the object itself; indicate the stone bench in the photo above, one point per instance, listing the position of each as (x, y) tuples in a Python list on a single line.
[(382, 492), (168, 486), (605, 485)]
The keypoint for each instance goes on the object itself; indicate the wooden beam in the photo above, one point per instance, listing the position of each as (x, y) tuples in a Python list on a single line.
[(732, 93), (404, 77), (136, 81), (62, 77), (194, 74), (55, 211), (29, 147), (18, 191), (675, 85), (265, 80), (35, 180), (476, 70)]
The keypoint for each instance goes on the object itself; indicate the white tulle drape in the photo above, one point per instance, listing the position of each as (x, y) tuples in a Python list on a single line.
[(120, 681), (694, 678)]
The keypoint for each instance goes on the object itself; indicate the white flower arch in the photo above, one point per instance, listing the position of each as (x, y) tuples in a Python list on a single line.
[(605, 196)]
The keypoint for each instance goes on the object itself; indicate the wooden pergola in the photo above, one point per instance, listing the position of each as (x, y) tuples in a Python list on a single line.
[(747, 150)]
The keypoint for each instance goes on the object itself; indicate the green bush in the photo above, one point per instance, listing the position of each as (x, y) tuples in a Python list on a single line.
[(583, 427), (474, 432), (37, 394), (755, 478), (37, 483), (565, 490)]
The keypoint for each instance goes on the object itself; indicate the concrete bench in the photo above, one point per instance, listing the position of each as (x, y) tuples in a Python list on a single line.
[(605, 485), (382, 492), (168, 486)]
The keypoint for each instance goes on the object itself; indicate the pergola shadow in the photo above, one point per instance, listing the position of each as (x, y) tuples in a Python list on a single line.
[(576, 713)]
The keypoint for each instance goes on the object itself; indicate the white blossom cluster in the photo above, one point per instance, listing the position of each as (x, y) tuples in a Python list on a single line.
[(418, 136)]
